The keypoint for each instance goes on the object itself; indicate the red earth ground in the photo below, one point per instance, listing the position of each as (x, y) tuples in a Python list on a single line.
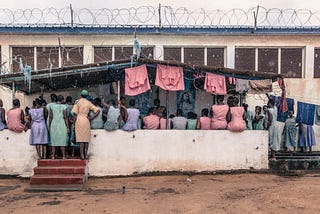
[(232, 193)]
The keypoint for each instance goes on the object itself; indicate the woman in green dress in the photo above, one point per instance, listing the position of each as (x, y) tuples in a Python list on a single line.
[(258, 119), (58, 126)]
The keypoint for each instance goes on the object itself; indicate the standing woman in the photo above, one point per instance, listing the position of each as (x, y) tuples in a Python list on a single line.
[(39, 131), (82, 122), (3, 123), (258, 119), (16, 118), (58, 126), (272, 126)]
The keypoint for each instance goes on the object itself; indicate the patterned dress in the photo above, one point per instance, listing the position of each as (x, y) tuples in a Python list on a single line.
[(39, 131), (58, 129)]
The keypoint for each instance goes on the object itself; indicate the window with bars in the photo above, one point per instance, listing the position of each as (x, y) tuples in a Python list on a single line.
[(194, 56), (268, 60), (102, 54), (147, 52), (316, 72), (245, 58), (26, 54), (72, 56), (215, 57), (122, 53), (172, 53), (47, 57), (291, 62)]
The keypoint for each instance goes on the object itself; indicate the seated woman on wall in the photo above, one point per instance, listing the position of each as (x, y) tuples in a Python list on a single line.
[(15, 118), (236, 116), (219, 114), (192, 121), (204, 121), (97, 122), (151, 121), (112, 116), (179, 122), (3, 122), (133, 117), (163, 121)]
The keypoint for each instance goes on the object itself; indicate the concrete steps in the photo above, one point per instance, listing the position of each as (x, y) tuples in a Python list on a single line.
[(58, 175), (296, 163)]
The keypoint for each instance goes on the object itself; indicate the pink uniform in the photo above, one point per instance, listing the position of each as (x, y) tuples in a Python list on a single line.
[(219, 120), (14, 120), (237, 123), (163, 123), (205, 123), (151, 122)]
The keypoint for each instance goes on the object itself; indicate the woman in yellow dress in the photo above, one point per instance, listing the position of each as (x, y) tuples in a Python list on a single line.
[(82, 122)]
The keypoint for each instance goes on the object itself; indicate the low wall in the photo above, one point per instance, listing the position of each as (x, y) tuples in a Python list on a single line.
[(125, 153)]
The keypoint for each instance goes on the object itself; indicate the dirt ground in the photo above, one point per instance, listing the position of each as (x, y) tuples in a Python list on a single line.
[(232, 193)]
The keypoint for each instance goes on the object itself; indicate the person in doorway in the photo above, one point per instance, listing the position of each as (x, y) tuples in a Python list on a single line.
[(82, 122), (39, 132), (258, 119), (151, 121), (132, 123), (236, 116), (3, 122), (272, 126), (219, 114), (204, 121), (59, 127), (15, 118), (290, 132), (179, 122)]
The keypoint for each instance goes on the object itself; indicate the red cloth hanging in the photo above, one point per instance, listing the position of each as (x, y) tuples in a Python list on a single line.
[(136, 80), (170, 78), (282, 86), (215, 84)]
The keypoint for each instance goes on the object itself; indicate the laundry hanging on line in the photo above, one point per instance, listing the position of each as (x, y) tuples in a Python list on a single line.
[(170, 78), (136, 80), (260, 86), (305, 113), (282, 116), (215, 84)]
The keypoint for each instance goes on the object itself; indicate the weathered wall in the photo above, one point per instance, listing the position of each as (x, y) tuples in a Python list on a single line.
[(125, 153)]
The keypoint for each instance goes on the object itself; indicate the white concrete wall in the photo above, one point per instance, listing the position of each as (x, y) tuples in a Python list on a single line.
[(125, 153)]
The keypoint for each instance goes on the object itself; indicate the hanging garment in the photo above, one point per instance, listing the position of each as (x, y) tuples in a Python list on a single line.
[(317, 121), (170, 78), (260, 86), (305, 113), (232, 80), (215, 84), (290, 133), (242, 85), (283, 115), (136, 80), (306, 136)]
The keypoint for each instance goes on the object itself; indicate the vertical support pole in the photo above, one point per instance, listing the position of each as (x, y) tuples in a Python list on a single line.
[(118, 91), (13, 90), (159, 12), (71, 14), (167, 109)]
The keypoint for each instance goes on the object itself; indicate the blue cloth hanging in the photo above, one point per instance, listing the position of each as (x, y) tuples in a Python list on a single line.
[(282, 116), (305, 114)]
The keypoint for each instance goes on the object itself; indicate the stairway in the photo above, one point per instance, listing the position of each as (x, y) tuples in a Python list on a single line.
[(296, 163), (58, 175)]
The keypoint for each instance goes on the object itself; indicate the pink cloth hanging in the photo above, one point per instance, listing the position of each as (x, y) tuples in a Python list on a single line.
[(215, 84), (170, 78), (136, 80)]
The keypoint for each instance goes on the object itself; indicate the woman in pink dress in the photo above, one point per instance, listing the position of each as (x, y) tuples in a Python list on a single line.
[(219, 114), (236, 116), (16, 118), (204, 121)]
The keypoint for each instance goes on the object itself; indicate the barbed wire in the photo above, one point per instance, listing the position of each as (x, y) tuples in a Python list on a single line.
[(161, 16)]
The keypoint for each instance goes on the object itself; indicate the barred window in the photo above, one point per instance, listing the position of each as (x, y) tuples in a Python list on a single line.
[(245, 58), (316, 63), (291, 62), (72, 56), (102, 54), (215, 57), (47, 57), (194, 56), (172, 54), (147, 52), (268, 60), (26, 54), (123, 52)]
